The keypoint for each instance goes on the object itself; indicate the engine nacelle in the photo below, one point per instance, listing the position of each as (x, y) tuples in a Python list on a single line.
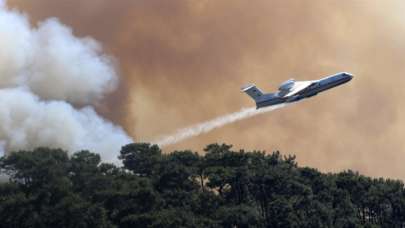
[(287, 85)]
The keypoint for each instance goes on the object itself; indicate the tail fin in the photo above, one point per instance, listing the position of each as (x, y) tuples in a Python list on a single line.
[(252, 91)]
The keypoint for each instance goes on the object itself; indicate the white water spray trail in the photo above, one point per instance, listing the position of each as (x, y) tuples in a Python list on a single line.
[(210, 125)]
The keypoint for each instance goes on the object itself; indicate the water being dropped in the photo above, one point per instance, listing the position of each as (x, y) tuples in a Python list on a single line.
[(207, 126)]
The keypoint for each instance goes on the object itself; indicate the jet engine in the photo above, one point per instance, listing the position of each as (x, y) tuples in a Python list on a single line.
[(287, 85)]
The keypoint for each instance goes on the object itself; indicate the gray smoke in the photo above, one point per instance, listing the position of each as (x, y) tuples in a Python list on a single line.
[(49, 80), (210, 125)]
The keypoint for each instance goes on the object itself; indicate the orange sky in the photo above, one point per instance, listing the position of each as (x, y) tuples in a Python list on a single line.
[(183, 62)]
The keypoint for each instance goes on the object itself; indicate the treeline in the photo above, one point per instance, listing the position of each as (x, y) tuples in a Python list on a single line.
[(222, 188)]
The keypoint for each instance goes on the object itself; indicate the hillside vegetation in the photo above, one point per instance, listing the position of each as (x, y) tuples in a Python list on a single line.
[(222, 188)]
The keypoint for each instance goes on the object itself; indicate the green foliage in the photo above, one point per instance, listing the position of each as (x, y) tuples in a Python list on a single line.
[(141, 158), (222, 188)]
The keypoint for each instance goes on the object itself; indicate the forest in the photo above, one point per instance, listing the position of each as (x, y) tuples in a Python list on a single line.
[(218, 187)]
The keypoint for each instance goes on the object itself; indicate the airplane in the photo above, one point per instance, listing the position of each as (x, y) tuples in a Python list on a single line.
[(293, 91)]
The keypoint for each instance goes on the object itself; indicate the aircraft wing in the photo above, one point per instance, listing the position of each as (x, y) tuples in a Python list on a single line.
[(298, 87)]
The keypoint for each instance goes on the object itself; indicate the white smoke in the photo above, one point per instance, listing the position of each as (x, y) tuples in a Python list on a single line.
[(52, 62), (210, 125), (44, 71)]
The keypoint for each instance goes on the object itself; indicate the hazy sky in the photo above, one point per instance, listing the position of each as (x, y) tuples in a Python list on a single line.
[(183, 61)]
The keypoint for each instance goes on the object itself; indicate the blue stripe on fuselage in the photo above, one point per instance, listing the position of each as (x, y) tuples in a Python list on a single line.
[(328, 83)]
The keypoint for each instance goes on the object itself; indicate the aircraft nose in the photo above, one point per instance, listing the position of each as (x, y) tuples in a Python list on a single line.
[(349, 76)]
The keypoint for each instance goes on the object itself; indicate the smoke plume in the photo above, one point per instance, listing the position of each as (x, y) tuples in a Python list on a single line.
[(210, 125), (49, 80)]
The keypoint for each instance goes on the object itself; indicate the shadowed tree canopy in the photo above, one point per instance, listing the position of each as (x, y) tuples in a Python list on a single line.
[(221, 188)]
